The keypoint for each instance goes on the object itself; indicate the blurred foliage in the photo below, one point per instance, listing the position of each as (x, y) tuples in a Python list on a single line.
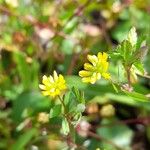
[(37, 37)]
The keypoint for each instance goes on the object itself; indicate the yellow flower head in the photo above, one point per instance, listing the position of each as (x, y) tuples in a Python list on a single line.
[(53, 86), (96, 69)]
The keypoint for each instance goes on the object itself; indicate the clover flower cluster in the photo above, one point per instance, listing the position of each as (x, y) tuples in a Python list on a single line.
[(96, 69), (53, 85)]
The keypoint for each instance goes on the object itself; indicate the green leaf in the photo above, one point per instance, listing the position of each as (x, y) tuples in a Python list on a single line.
[(76, 118), (24, 139), (115, 87), (126, 50), (121, 135), (71, 25), (55, 111), (29, 102), (140, 42), (76, 92), (66, 98), (131, 100), (65, 126), (121, 30), (132, 36), (79, 95), (138, 96), (66, 14), (140, 54), (75, 81), (139, 67), (82, 98), (72, 103)]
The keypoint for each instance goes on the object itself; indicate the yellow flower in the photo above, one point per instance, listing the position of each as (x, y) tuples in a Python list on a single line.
[(96, 69), (53, 86)]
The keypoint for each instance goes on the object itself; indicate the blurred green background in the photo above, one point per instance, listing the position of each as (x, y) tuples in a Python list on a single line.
[(39, 36)]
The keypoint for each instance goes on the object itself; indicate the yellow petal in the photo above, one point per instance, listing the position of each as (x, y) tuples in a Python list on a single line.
[(104, 66), (51, 79), (86, 79), (105, 56), (45, 93), (95, 77), (62, 86), (93, 80), (93, 59), (84, 73), (52, 90), (100, 56), (88, 67), (57, 92), (45, 79), (98, 76), (61, 79), (55, 76), (42, 87)]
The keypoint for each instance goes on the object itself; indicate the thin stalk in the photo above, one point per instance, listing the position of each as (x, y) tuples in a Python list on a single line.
[(128, 68), (71, 136), (63, 104)]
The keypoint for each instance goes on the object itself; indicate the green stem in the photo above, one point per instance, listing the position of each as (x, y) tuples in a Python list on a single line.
[(63, 104), (113, 85), (128, 75), (71, 136)]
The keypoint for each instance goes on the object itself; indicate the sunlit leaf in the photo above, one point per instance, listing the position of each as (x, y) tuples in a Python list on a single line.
[(55, 111)]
